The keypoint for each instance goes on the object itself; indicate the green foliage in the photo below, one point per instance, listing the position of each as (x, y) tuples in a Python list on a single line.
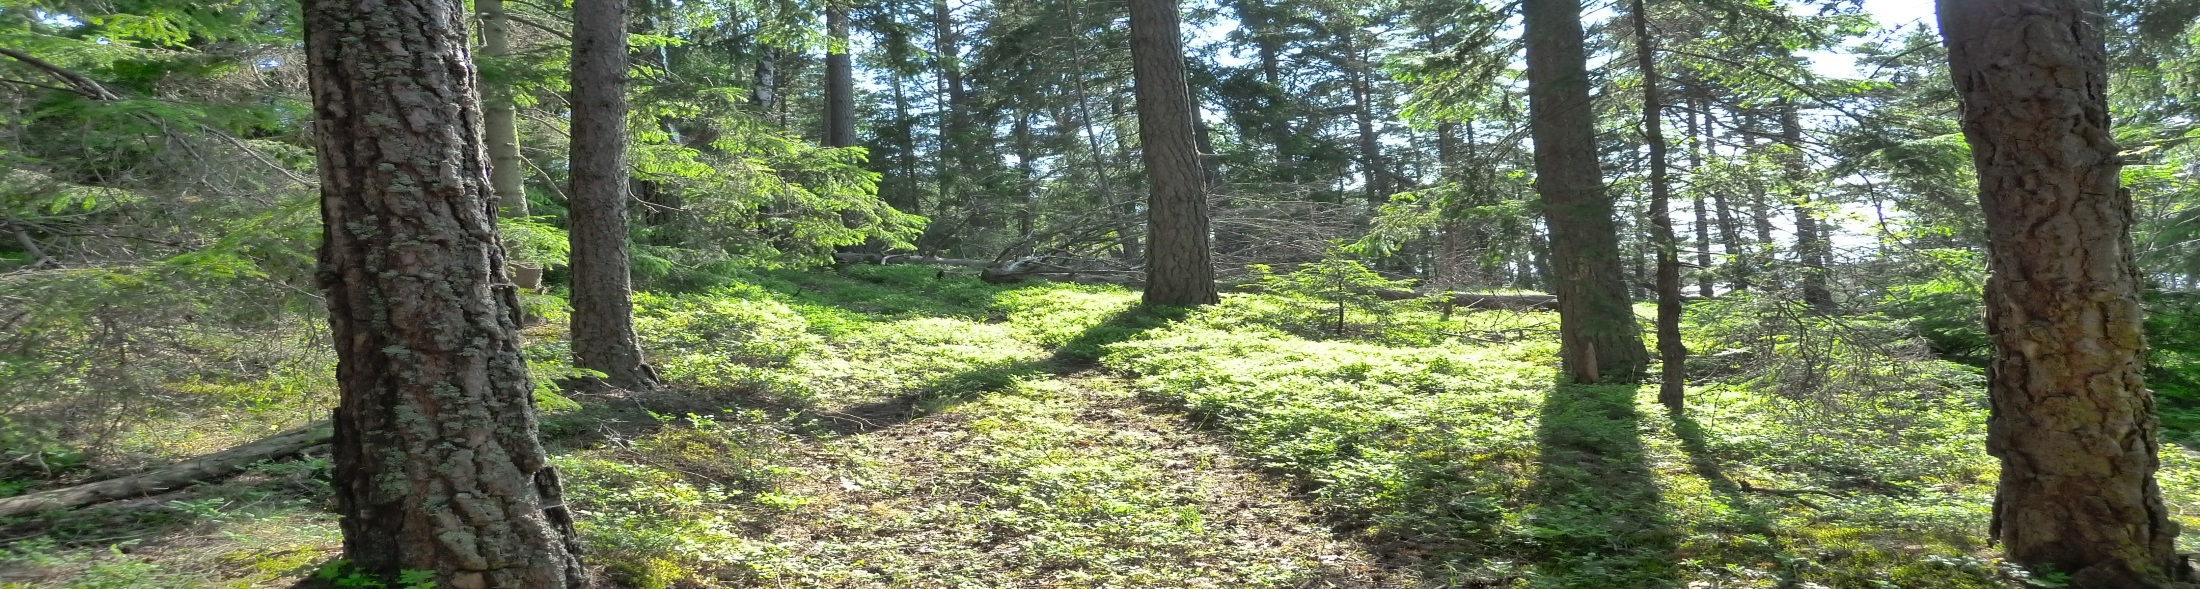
[(534, 241), (1328, 292), (1470, 454)]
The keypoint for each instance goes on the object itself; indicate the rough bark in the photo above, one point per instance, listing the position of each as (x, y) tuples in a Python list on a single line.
[(1811, 246), (840, 85), (602, 297), (437, 465), (2071, 420), (1598, 337), (172, 477), (1179, 263), (1672, 355)]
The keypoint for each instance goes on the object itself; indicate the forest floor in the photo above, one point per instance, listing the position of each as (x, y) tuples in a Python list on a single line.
[(880, 427)]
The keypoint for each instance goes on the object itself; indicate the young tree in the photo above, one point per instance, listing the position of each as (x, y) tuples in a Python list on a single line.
[(603, 304), (2072, 422), (1598, 337), (437, 463), (1179, 267)]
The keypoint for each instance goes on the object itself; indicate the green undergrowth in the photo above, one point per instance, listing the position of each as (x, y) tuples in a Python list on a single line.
[(890, 427), (1827, 453)]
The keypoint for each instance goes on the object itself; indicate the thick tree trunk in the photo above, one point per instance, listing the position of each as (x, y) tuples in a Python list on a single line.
[(437, 466), (1672, 355), (1179, 266), (840, 84), (1598, 337), (2071, 420), (1811, 247), (602, 298)]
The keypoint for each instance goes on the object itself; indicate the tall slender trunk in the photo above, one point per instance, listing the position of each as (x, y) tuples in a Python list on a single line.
[(1704, 272), (602, 298), (840, 85), (2071, 420), (437, 465), (953, 139), (1673, 356), (1179, 266), (904, 196), (764, 89), (1374, 175), (1811, 249), (1265, 42), (1598, 337), (1027, 177), (1126, 233), (1450, 267), (1730, 231), (500, 126)]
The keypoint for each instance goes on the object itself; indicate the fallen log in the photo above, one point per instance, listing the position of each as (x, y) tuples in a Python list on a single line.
[(171, 477), (1120, 278), (884, 259), (1470, 300)]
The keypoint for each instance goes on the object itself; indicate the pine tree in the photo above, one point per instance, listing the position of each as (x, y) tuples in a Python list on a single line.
[(1598, 337), (1179, 270), (2072, 421), (437, 466), (603, 304)]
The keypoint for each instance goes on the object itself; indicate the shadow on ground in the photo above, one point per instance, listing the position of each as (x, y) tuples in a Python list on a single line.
[(1598, 519), (1078, 353)]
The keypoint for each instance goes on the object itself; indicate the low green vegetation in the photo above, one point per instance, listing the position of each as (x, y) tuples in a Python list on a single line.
[(890, 427)]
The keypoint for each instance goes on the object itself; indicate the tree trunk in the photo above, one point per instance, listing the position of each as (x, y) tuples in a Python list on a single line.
[(603, 305), (1704, 273), (1179, 266), (840, 80), (1730, 231), (764, 90), (952, 134), (1673, 356), (500, 125), (1811, 249), (1027, 177), (437, 465), (1363, 115), (1598, 337), (1254, 13), (2071, 420), (903, 196)]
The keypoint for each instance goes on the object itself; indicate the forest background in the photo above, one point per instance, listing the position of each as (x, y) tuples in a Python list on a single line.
[(159, 301)]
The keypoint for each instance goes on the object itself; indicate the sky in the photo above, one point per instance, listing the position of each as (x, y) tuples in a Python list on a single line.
[(1891, 14)]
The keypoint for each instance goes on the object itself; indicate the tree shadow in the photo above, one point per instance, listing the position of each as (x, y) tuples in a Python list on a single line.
[(1080, 352), (1598, 519)]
